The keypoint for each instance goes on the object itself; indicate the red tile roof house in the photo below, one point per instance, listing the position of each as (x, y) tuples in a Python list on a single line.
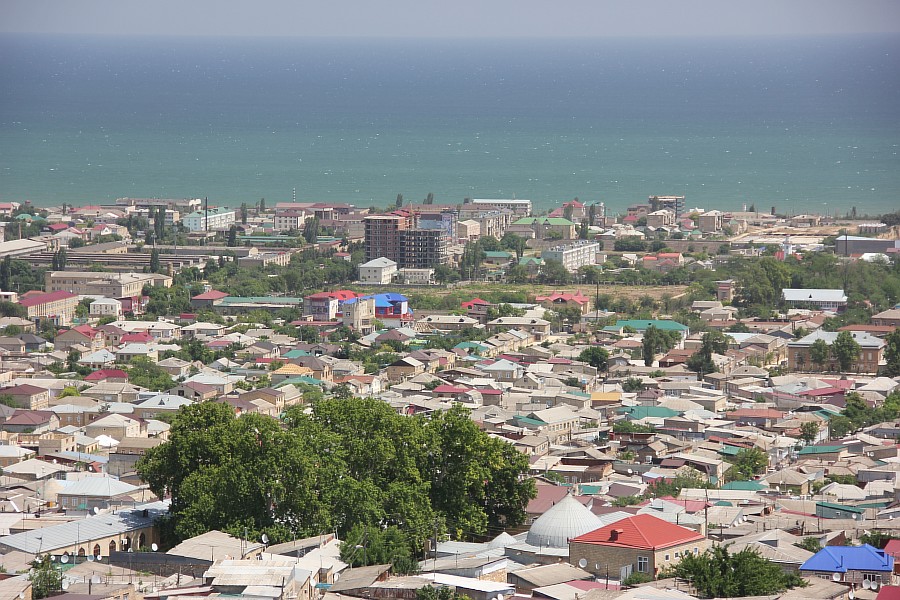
[(638, 544), (83, 335), (58, 307), (109, 375)]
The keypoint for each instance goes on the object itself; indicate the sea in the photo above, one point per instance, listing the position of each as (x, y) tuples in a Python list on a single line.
[(809, 124)]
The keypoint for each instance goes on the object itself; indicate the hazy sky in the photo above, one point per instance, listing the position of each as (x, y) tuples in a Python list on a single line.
[(453, 18)]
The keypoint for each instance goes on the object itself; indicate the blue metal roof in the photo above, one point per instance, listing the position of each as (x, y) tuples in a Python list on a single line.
[(840, 559)]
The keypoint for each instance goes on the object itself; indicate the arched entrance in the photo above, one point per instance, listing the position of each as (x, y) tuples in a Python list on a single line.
[(142, 541), (96, 550), (112, 547)]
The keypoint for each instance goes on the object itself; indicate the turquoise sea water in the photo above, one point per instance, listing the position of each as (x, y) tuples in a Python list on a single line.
[(808, 124)]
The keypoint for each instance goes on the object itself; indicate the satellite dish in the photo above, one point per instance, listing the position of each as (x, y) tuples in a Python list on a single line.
[(90, 558), (582, 563), (867, 585), (131, 549), (95, 579), (52, 558), (835, 576), (874, 585), (64, 558), (99, 558), (630, 472), (154, 547), (265, 539), (96, 510), (65, 584), (851, 595)]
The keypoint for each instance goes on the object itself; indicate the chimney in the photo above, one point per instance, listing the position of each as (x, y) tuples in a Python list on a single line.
[(614, 534)]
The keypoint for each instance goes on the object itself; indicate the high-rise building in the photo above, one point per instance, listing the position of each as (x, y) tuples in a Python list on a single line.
[(423, 248), (383, 236)]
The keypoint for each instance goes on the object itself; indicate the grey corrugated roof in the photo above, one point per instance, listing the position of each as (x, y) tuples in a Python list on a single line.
[(99, 526), (105, 487)]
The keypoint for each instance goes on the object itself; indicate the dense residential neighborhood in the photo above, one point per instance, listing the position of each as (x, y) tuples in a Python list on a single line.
[(322, 400)]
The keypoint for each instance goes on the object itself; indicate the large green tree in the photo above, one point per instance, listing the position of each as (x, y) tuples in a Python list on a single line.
[(819, 352), (846, 350), (346, 464), (595, 356), (717, 573), (892, 354)]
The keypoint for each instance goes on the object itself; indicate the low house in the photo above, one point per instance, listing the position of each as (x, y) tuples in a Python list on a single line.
[(851, 565), (92, 492), (638, 544)]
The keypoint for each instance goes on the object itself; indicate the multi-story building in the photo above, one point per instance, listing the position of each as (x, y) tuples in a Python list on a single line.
[(542, 228), (573, 256), (822, 299), (661, 218), (103, 284), (359, 314), (519, 207), (181, 205), (57, 307), (871, 351), (712, 221), (289, 220), (383, 236), (217, 218), (423, 248), (379, 271)]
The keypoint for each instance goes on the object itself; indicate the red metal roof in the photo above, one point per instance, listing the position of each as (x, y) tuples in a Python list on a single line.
[(39, 299), (107, 374), (640, 531), (210, 295)]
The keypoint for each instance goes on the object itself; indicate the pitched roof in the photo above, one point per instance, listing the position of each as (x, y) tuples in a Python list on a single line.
[(840, 559), (640, 531), (39, 299), (210, 295)]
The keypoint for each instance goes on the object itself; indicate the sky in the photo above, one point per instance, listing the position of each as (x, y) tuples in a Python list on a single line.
[(457, 18)]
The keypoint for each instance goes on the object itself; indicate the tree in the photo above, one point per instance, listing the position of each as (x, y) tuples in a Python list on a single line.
[(892, 354), (711, 342), (747, 463), (311, 230), (146, 373), (553, 271), (846, 350), (595, 356), (632, 384), (232, 237), (46, 580), (262, 205), (155, 265), (159, 223), (810, 544), (809, 431), (442, 593), (719, 574), (819, 351), (839, 427), (399, 202), (5, 273), (244, 213)]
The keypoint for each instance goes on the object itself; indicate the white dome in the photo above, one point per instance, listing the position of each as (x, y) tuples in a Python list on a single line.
[(567, 519)]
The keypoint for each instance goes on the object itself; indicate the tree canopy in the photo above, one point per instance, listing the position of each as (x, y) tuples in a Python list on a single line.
[(717, 573), (346, 465)]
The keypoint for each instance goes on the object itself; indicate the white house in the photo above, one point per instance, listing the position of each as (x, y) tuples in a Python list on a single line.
[(378, 270), (104, 307), (831, 300)]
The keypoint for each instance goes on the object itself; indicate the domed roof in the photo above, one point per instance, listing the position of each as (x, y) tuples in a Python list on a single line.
[(502, 541), (567, 519)]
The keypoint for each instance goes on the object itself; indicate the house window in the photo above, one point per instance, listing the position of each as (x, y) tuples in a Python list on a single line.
[(643, 564), (667, 557)]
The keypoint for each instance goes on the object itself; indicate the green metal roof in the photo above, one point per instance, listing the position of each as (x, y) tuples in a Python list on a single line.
[(497, 254), (643, 324), (821, 449), (530, 421), (744, 486), (636, 413), (729, 450), (835, 506)]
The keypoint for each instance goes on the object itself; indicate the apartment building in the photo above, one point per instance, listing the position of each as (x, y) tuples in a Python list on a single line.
[(58, 307), (423, 248), (573, 256), (220, 217), (109, 285), (382, 235)]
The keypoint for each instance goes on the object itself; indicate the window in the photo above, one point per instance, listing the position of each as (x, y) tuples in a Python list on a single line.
[(643, 564), (667, 557)]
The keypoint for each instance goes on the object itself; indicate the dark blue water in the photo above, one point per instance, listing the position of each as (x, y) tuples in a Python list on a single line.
[(806, 124)]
